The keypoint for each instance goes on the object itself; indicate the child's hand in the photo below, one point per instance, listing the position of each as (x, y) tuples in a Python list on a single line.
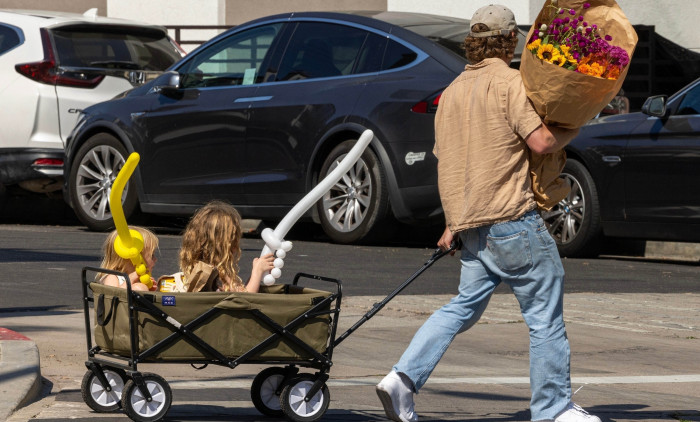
[(264, 263), (260, 266)]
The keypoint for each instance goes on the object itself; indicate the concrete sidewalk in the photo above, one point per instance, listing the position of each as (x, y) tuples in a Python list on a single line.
[(20, 375), (634, 354)]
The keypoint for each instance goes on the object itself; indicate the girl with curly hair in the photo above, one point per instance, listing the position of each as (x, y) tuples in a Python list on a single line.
[(211, 245)]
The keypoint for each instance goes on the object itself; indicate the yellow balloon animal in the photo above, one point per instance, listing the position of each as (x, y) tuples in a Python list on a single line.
[(129, 243)]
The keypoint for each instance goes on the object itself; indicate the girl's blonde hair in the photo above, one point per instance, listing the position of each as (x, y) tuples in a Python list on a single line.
[(213, 236), (112, 261), (478, 49)]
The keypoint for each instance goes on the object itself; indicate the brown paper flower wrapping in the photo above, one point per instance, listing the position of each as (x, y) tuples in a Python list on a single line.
[(567, 98)]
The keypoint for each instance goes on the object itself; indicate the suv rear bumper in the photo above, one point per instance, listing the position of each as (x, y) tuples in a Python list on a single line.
[(18, 166)]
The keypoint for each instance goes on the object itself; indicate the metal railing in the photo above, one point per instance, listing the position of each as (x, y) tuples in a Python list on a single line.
[(185, 35)]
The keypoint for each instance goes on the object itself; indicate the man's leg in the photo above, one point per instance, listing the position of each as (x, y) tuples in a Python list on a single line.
[(526, 257), (433, 338), (464, 310)]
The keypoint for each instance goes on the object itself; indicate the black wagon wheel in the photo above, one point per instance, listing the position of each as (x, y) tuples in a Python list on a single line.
[(138, 408), (94, 168), (296, 408), (574, 222), (354, 208), (99, 398), (265, 391)]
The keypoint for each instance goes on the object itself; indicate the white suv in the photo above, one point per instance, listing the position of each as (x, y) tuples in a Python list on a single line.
[(53, 65)]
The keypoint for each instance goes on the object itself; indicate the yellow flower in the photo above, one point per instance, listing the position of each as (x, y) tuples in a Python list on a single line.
[(535, 45), (548, 53), (558, 60)]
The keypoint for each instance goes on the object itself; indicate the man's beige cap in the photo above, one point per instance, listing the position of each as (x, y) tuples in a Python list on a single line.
[(499, 19)]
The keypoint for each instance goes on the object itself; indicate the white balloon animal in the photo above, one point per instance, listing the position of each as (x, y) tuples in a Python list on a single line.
[(274, 239)]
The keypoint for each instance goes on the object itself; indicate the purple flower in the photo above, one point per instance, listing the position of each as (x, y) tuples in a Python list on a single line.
[(561, 11), (586, 5), (580, 18), (608, 38), (584, 24), (572, 12), (619, 56)]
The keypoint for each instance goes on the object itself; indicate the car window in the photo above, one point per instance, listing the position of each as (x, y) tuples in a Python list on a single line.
[(370, 57), (397, 55), (318, 50), (9, 38), (234, 60), (114, 47), (690, 104)]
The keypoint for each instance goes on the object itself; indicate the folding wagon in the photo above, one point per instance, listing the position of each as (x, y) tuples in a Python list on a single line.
[(287, 326)]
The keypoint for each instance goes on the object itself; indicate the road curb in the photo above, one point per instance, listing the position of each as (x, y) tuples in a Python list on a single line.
[(20, 374), (673, 250)]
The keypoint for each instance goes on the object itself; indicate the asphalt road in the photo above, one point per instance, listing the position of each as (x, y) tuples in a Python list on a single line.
[(43, 249), (633, 324)]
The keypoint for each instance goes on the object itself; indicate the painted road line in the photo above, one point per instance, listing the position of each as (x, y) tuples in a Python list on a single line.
[(642, 379)]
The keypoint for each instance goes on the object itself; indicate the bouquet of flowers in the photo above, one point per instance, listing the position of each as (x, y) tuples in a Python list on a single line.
[(579, 56), (569, 41), (574, 64)]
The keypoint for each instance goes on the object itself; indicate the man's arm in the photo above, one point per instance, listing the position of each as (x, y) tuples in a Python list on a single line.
[(546, 139)]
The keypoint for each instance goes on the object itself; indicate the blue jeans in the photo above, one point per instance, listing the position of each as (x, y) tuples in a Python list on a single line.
[(522, 254)]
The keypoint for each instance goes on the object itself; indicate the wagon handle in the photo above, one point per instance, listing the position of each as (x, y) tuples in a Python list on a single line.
[(378, 306)]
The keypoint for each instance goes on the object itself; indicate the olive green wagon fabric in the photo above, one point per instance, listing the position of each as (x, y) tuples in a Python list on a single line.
[(232, 332)]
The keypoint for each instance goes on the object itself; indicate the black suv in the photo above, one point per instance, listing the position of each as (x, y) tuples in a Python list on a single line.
[(259, 114)]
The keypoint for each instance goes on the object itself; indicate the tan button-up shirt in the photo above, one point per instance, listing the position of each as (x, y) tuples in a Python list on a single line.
[(481, 123)]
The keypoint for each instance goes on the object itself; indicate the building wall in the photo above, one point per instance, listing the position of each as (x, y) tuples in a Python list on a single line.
[(676, 22), (74, 6), (238, 11)]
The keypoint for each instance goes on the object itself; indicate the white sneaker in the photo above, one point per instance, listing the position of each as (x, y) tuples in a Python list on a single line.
[(396, 396), (575, 413)]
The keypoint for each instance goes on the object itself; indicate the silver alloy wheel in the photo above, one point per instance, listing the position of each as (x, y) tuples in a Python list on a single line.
[(564, 219), (97, 171), (347, 202)]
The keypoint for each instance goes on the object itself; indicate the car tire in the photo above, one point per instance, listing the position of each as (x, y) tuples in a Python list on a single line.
[(355, 207), (92, 173), (574, 222)]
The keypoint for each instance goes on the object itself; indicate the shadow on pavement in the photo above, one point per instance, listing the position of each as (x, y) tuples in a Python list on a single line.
[(43, 210)]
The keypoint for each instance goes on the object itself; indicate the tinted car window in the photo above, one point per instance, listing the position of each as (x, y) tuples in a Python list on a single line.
[(114, 47), (319, 50), (691, 102), (370, 57), (235, 60), (397, 55), (9, 38)]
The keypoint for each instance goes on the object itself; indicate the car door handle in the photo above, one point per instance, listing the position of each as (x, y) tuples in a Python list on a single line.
[(252, 99), (612, 159)]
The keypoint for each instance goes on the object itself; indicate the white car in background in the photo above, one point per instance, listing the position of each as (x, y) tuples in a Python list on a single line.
[(53, 65)]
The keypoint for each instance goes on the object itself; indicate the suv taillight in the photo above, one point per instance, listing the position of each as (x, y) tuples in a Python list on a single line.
[(45, 71), (429, 105)]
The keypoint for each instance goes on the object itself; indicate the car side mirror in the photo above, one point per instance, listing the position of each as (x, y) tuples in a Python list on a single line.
[(655, 106), (167, 84)]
